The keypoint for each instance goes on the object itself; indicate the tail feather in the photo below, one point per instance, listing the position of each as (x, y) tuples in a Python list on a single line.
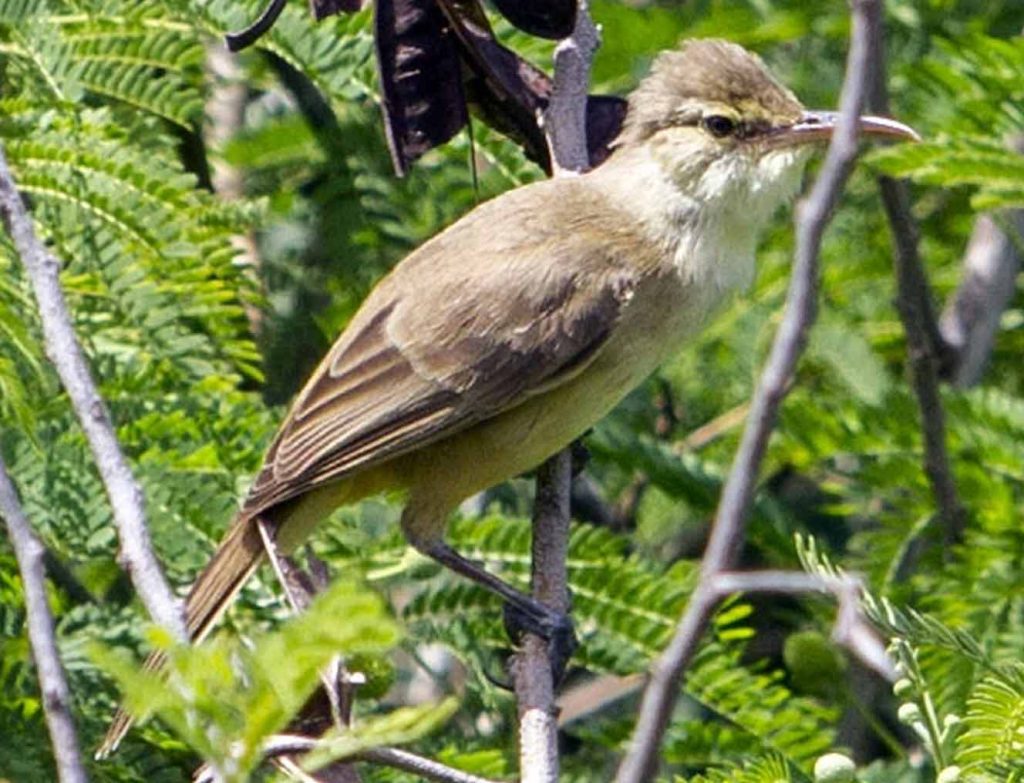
[(238, 555)]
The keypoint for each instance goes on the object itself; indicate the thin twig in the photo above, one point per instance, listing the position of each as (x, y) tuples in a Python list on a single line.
[(136, 553), (534, 679), (714, 429), (913, 303), (565, 120), (252, 33), (428, 769), (851, 629), (927, 350), (565, 125), (29, 553), (728, 530)]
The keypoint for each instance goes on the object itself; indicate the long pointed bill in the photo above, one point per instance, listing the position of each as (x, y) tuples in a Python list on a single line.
[(819, 125)]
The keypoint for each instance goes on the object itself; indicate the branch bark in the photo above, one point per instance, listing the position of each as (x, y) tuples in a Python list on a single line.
[(29, 553), (913, 300), (640, 762), (288, 745), (62, 348), (992, 262), (565, 125), (534, 679), (565, 121), (928, 352)]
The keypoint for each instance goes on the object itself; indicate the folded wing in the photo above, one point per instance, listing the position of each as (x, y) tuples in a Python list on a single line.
[(444, 343)]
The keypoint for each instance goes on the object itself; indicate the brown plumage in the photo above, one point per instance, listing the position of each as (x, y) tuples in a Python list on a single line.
[(701, 74), (513, 331)]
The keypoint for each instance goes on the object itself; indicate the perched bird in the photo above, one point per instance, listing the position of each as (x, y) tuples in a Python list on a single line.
[(513, 331)]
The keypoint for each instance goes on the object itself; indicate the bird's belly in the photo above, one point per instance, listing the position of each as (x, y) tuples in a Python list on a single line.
[(521, 438)]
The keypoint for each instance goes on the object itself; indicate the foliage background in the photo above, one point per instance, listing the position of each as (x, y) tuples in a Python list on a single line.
[(219, 226)]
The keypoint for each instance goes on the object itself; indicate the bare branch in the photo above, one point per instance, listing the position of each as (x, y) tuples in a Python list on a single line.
[(913, 303), (565, 121), (728, 530), (927, 350), (591, 697), (29, 552), (534, 679), (992, 262), (428, 769), (62, 348), (852, 629), (565, 125)]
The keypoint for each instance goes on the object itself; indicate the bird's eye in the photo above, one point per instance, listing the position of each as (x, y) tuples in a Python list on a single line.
[(719, 126)]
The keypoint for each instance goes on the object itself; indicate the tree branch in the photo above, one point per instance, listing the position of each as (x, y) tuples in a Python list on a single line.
[(992, 262), (62, 348), (565, 125), (534, 679), (728, 530), (428, 769), (928, 352), (565, 120), (913, 300), (290, 745), (852, 629), (29, 553)]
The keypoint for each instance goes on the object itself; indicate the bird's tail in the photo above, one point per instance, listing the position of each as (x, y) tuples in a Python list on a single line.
[(236, 558)]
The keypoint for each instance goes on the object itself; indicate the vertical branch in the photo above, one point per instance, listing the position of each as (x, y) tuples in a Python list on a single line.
[(29, 553), (992, 262), (927, 350), (913, 300), (640, 763), (565, 125), (565, 120), (64, 352), (534, 680)]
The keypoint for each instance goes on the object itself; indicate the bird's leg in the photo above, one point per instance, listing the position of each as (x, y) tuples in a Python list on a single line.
[(300, 589), (523, 614)]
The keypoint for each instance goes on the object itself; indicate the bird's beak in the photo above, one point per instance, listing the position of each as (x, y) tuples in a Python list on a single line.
[(819, 126)]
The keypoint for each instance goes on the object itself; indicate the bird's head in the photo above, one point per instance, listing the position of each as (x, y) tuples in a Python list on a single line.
[(725, 131)]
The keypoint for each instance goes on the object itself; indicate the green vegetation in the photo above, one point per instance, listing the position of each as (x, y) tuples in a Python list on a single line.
[(202, 311)]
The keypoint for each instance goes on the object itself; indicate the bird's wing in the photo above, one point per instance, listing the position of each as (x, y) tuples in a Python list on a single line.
[(441, 345)]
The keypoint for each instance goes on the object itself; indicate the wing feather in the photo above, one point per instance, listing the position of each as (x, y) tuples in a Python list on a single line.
[(441, 345)]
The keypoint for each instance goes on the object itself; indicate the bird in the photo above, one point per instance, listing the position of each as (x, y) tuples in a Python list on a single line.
[(513, 331)]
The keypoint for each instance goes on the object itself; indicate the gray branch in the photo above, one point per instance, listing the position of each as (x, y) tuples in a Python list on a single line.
[(428, 769), (928, 351), (992, 262), (29, 553), (62, 348), (288, 745), (851, 629), (565, 125), (913, 300), (565, 121), (727, 533), (534, 680)]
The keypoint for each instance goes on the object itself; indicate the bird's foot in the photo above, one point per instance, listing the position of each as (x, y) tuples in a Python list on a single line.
[(554, 627)]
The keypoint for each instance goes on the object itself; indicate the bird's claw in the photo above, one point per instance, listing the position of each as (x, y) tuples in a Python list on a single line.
[(553, 627)]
